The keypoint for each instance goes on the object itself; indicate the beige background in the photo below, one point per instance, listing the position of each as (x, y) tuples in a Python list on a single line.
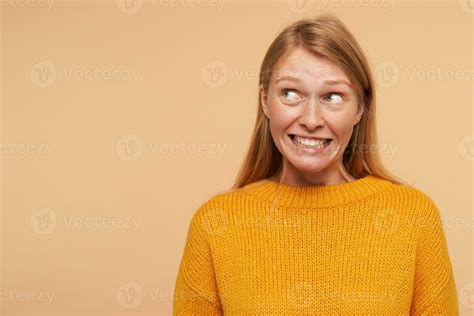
[(79, 145)]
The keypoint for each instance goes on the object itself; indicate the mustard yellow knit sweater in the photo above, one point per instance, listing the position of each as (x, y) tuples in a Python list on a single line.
[(361, 247)]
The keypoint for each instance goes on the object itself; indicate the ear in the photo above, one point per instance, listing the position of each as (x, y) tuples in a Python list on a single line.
[(263, 100), (359, 113)]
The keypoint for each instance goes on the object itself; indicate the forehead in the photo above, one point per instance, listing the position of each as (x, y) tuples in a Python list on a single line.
[(308, 67)]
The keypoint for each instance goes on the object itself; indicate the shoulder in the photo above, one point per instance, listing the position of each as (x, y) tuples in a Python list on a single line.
[(220, 199), (412, 195), (216, 209), (416, 202)]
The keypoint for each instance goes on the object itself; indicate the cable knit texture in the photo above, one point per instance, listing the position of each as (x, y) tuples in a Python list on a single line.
[(362, 247)]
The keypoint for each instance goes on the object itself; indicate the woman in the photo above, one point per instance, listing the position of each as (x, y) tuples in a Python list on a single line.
[(315, 223)]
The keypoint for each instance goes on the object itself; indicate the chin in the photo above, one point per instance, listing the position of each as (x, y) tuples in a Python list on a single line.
[(309, 165)]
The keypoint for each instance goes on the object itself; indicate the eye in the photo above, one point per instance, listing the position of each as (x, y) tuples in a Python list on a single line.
[(337, 99), (284, 93), (290, 95)]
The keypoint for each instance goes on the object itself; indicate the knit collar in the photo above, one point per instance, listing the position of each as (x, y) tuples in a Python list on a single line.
[(316, 196)]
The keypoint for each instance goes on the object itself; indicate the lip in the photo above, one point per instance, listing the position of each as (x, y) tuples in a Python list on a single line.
[(309, 137), (308, 149)]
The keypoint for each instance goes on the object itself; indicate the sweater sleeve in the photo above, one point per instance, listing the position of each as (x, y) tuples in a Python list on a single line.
[(434, 286), (196, 290)]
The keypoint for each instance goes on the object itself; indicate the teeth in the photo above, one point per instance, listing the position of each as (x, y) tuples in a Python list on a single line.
[(319, 143)]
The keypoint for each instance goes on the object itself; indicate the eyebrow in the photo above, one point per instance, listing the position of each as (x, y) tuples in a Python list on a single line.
[(327, 81)]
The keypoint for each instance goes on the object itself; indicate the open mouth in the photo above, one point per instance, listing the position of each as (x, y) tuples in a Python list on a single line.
[(310, 142)]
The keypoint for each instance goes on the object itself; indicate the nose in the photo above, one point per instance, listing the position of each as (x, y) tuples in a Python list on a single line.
[(311, 115)]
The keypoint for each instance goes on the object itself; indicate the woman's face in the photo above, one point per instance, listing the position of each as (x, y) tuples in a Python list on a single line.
[(310, 98)]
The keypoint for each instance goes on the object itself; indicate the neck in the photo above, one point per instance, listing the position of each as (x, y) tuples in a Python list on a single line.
[(289, 175)]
